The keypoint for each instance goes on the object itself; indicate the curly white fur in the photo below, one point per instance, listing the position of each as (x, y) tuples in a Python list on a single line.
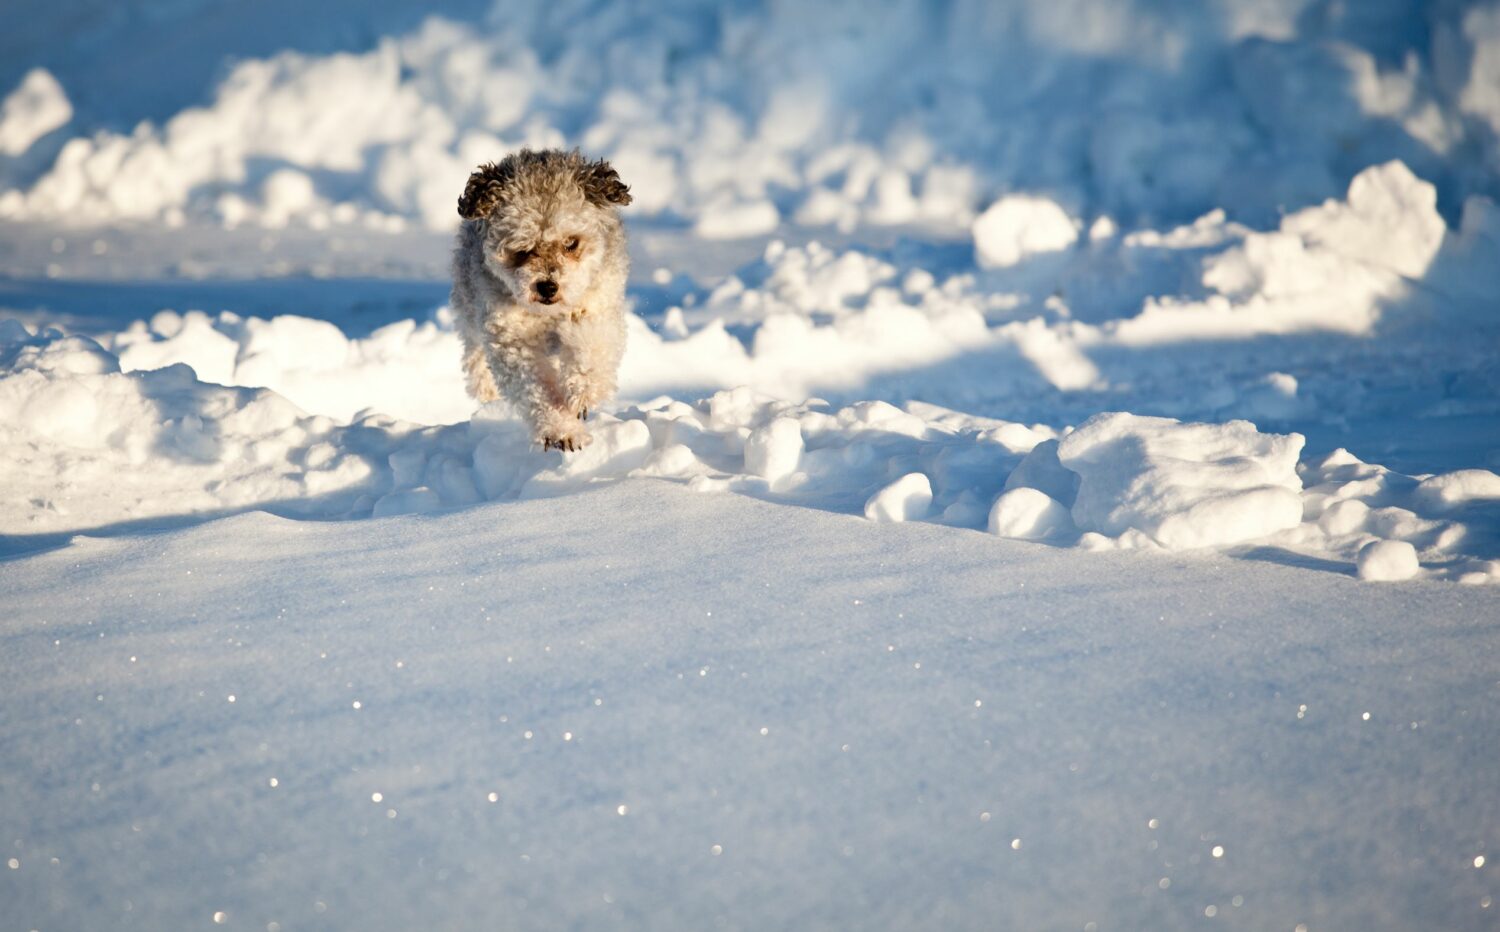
[(539, 272)]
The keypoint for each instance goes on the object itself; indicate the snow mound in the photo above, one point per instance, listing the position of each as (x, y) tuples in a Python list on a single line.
[(735, 118), (1182, 485), (1455, 489), (1387, 561), (907, 499), (95, 447), (34, 109), (1451, 520), (1333, 267), (1018, 226), (1029, 514), (311, 361)]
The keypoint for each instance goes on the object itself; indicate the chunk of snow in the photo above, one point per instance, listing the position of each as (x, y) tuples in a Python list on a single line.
[(737, 220), (1041, 469), (35, 108), (1183, 485), (907, 499), (1020, 225), (773, 451), (1029, 514), (1452, 490), (1389, 219), (1388, 561)]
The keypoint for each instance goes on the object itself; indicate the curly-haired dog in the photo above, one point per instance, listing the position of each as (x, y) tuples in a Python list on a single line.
[(539, 274)]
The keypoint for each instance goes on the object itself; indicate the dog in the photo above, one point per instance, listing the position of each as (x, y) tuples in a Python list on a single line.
[(539, 272)]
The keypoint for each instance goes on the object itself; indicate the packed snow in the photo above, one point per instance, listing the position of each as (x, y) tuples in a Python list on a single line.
[(1055, 479)]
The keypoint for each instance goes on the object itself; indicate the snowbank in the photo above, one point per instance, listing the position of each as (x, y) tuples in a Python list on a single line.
[(189, 413), (737, 117), (91, 446)]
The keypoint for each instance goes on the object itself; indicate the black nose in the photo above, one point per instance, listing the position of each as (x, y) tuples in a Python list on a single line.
[(547, 289)]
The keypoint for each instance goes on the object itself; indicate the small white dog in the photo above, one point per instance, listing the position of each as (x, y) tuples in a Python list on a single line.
[(539, 275)]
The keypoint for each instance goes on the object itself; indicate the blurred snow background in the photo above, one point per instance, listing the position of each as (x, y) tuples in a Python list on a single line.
[(736, 117)]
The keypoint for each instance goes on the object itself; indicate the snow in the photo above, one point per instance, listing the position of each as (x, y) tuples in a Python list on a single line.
[(1055, 479), (1018, 226), (92, 444), (1387, 561), (1026, 513), (1182, 485), (1209, 702), (35, 108), (907, 499), (733, 117), (1452, 490)]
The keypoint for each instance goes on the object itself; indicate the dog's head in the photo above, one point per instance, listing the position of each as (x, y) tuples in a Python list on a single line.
[(548, 220)]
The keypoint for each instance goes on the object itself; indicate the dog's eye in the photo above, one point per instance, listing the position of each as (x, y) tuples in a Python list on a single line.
[(571, 245), (520, 256)]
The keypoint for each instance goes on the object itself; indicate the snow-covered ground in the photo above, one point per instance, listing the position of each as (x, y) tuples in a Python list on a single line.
[(1053, 485)]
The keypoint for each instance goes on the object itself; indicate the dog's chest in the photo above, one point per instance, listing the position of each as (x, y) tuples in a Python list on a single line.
[(541, 333)]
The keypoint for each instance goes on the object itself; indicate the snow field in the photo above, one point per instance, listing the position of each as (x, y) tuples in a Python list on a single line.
[(638, 705)]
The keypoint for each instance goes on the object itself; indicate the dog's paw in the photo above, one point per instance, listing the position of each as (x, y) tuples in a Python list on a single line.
[(564, 444), (560, 429)]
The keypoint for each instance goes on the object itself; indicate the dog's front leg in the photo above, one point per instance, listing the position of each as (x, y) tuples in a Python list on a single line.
[(588, 362), (555, 421), (479, 375), (532, 381)]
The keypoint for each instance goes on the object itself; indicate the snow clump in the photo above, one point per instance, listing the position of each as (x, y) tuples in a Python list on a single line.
[(1182, 485), (1017, 226), (1029, 514), (907, 499), (34, 109), (1388, 561)]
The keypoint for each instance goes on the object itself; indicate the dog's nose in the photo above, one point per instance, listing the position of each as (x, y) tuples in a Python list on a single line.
[(546, 289)]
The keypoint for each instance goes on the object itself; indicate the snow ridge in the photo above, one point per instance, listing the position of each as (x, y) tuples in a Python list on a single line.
[(99, 447)]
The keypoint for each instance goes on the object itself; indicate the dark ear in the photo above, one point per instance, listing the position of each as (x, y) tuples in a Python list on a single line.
[(602, 185), (485, 190)]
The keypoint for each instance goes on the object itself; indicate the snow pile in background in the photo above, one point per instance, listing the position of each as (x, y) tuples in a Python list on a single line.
[(405, 368), (742, 117), (32, 110), (93, 447), (1018, 226)]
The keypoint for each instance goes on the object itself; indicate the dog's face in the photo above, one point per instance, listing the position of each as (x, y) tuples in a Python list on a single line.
[(549, 220)]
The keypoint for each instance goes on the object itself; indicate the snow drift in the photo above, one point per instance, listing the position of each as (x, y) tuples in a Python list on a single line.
[(93, 447), (741, 117)]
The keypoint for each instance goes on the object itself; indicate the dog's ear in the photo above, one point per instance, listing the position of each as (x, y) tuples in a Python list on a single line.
[(485, 190), (602, 185)]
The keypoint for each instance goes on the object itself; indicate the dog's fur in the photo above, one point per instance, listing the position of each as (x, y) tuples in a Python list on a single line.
[(539, 273)]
